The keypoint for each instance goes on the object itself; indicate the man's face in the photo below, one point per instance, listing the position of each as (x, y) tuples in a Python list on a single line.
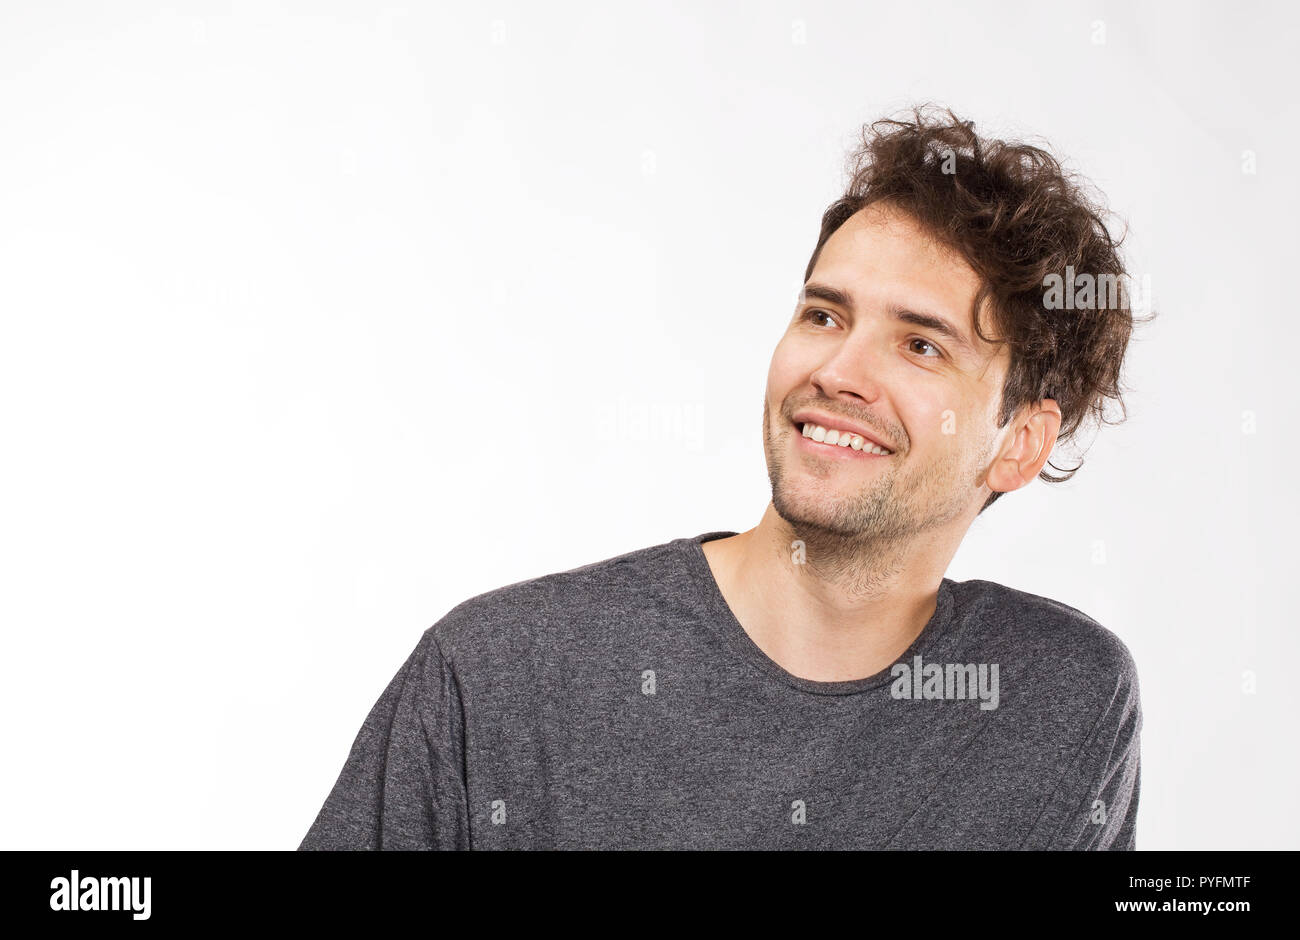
[(861, 358)]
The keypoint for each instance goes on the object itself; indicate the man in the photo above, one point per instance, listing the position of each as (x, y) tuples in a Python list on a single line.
[(816, 681)]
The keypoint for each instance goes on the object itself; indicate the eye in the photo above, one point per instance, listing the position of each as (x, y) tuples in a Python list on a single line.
[(915, 340), (810, 314)]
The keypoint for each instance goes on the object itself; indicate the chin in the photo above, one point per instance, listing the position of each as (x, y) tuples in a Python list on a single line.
[(804, 513)]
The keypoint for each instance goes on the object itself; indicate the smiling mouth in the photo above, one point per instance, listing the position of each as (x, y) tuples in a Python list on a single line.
[(823, 438)]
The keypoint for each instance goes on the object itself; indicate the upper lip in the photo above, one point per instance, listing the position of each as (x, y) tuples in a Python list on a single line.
[(839, 424)]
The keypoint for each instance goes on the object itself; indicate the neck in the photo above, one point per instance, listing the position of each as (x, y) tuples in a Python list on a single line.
[(828, 607)]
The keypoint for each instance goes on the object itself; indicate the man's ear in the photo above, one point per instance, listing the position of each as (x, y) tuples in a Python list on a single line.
[(1029, 443)]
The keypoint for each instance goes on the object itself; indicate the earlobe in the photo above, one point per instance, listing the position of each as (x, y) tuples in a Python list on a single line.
[(1005, 475)]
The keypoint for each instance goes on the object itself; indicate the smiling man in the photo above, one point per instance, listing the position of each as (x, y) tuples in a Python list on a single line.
[(816, 681)]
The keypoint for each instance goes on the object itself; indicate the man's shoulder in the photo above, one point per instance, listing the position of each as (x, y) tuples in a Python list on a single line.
[(1062, 647), (553, 606)]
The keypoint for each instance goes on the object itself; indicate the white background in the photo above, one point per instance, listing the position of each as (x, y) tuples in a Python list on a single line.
[(320, 318)]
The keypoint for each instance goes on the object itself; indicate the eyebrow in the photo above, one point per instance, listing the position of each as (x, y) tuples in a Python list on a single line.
[(924, 320)]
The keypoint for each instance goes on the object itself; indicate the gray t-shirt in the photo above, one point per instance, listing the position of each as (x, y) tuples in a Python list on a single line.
[(622, 705)]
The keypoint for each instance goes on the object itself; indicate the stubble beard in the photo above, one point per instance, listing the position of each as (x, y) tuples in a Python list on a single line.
[(895, 506)]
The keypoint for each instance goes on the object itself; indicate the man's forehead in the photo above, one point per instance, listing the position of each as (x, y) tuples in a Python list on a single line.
[(887, 246)]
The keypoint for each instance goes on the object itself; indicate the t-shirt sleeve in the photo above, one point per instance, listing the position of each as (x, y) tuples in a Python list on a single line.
[(1095, 804), (403, 784)]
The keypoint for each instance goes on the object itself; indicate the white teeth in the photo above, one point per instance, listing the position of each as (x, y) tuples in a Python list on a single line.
[(843, 439)]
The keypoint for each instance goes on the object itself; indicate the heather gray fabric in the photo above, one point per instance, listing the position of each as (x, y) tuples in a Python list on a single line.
[(622, 705)]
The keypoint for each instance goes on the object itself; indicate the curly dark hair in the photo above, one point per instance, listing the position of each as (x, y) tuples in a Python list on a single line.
[(1017, 217)]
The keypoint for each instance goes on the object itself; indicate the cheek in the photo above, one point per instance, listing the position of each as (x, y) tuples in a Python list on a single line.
[(941, 413), (785, 356), (931, 419), (785, 372)]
